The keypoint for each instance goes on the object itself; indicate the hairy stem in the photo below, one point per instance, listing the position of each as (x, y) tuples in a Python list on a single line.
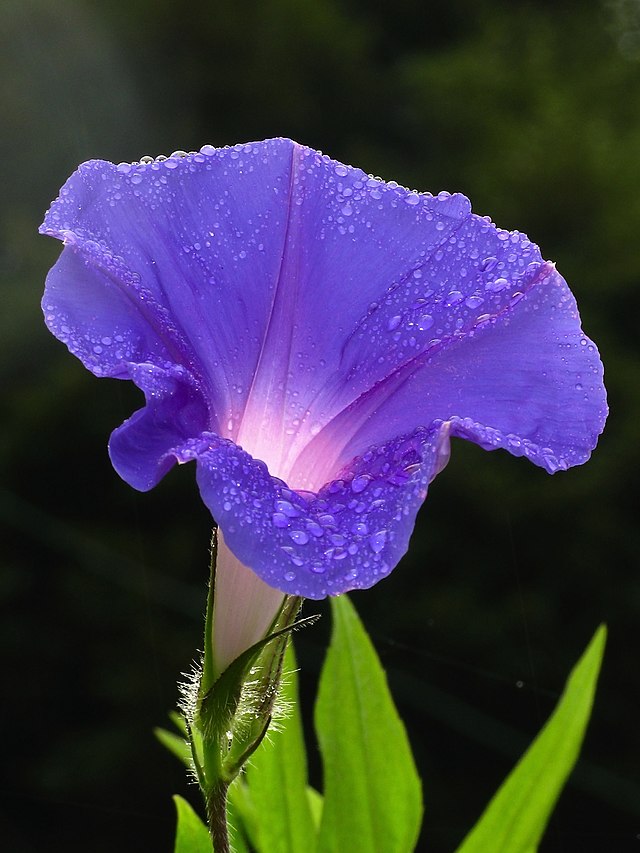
[(217, 814)]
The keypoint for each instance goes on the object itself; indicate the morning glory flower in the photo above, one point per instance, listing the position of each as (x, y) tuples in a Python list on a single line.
[(312, 337)]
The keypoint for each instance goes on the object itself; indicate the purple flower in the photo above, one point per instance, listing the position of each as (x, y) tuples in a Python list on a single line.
[(312, 337)]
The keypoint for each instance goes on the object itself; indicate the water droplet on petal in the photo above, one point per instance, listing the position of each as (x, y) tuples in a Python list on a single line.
[(488, 264), (473, 301), (315, 529), (377, 541), (299, 537), (394, 322), (453, 298), (360, 482), (286, 508)]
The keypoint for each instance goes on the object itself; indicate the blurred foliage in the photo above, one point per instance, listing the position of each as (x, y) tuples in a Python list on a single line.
[(533, 110)]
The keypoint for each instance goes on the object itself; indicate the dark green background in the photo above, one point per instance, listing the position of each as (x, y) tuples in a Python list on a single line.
[(533, 110)]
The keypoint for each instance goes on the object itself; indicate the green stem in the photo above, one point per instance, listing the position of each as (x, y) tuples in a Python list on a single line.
[(217, 814)]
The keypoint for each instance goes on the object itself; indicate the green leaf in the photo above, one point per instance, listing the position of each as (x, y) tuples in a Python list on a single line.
[(192, 835), (241, 811), (316, 804), (237, 828), (516, 817), (372, 792), (277, 779), (175, 744)]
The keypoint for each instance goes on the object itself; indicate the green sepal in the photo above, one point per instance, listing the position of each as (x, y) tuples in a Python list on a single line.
[(517, 816), (227, 741)]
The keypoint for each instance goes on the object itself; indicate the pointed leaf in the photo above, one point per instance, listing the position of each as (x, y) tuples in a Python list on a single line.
[(316, 803), (176, 745), (192, 835), (179, 722), (277, 779), (242, 812), (238, 831), (516, 817), (372, 793)]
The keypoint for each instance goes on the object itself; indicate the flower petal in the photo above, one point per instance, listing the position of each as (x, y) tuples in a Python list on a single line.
[(199, 239), (175, 412), (97, 307), (251, 265), (510, 369), (347, 536)]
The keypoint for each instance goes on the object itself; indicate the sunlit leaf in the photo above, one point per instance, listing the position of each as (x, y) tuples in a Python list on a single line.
[(175, 744), (277, 778), (516, 817), (372, 793), (192, 835)]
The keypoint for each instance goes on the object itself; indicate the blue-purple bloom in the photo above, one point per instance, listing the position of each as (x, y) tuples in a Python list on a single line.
[(312, 337)]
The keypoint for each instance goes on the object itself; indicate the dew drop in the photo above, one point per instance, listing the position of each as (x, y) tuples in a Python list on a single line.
[(314, 528), (473, 301), (286, 508), (377, 541), (454, 297), (425, 322), (360, 482), (299, 537), (341, 170), (488, 264), (394, 322)]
